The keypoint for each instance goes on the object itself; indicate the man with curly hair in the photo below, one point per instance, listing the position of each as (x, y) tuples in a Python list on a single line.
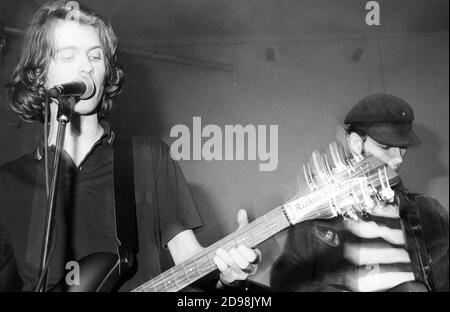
[(60, 47)]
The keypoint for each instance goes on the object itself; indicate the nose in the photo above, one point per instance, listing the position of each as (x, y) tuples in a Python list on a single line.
[(86, 66)]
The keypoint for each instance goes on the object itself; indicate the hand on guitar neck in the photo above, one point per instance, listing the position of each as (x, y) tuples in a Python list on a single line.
[(245, 261)]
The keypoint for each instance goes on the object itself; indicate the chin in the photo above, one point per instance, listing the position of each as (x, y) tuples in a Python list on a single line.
[(86, 107)]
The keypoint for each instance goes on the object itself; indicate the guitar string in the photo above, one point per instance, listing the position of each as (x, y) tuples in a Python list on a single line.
[(205, 253)]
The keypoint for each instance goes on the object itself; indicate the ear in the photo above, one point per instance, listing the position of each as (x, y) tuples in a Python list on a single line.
[(356, 143)]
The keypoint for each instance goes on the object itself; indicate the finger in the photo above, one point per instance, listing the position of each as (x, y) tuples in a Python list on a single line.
[(220, 252), (234, 271), (226, 272), (258, 256), (239, 258), (242, 218), (251, 255), (221, 265), (251, 269)]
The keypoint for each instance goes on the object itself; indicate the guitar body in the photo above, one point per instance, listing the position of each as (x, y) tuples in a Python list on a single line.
[(99, 272)]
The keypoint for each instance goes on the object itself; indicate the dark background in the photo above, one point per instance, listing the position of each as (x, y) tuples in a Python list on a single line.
[(300, 65)]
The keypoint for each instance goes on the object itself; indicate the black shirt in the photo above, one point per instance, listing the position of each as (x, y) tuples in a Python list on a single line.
[(85, 216)]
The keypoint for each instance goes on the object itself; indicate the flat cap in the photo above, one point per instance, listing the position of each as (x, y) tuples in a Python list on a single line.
[(385, 118)]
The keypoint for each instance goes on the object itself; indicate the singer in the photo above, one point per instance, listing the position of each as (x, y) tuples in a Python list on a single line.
[(59, 50)]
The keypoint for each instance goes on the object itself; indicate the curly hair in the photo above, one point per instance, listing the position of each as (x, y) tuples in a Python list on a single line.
[(26, 91)]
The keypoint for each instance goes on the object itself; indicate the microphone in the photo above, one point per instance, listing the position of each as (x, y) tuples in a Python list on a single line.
[(82, 87)]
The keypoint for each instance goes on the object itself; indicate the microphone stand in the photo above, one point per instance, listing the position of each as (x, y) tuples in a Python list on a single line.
[(63, 117)]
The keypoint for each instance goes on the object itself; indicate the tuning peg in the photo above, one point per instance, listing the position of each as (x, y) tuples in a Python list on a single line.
[(305, 173), (309, 178), (352, 208), (352, 214), (348, 162), (315, 157), (342, 155), (328, 170), (386, 192), (336, 157), (357, 157), (312, 176), (360, 210), (373, 192), (364, 213), (344, 214), (318, 167)]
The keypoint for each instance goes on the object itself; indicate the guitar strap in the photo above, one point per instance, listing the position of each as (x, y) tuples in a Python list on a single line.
[(415, 238), (125, 207)]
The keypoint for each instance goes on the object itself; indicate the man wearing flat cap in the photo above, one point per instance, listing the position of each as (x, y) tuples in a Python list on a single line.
[(401, 247)]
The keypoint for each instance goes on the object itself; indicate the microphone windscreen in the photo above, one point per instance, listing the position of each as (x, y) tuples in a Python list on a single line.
[(90, 88)]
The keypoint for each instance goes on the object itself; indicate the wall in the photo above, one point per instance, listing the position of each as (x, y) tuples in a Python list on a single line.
[(306, 91)]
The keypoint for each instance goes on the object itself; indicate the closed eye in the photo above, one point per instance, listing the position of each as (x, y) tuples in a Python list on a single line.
[(66, 56), (96, 55)]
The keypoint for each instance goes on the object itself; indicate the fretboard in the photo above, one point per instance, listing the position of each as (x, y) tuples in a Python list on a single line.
[(196, 267), (321, 204)]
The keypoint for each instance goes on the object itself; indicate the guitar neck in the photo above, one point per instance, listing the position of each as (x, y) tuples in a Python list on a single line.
[(318, 204), (201, 264)]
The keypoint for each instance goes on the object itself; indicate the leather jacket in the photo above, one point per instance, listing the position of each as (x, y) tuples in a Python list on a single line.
[(313, 258)]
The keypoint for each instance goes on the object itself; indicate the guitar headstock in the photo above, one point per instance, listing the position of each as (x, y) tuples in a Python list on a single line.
[(337, 163), (341, 183)]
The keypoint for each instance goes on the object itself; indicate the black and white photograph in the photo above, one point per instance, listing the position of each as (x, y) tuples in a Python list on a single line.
[(232, 148)]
